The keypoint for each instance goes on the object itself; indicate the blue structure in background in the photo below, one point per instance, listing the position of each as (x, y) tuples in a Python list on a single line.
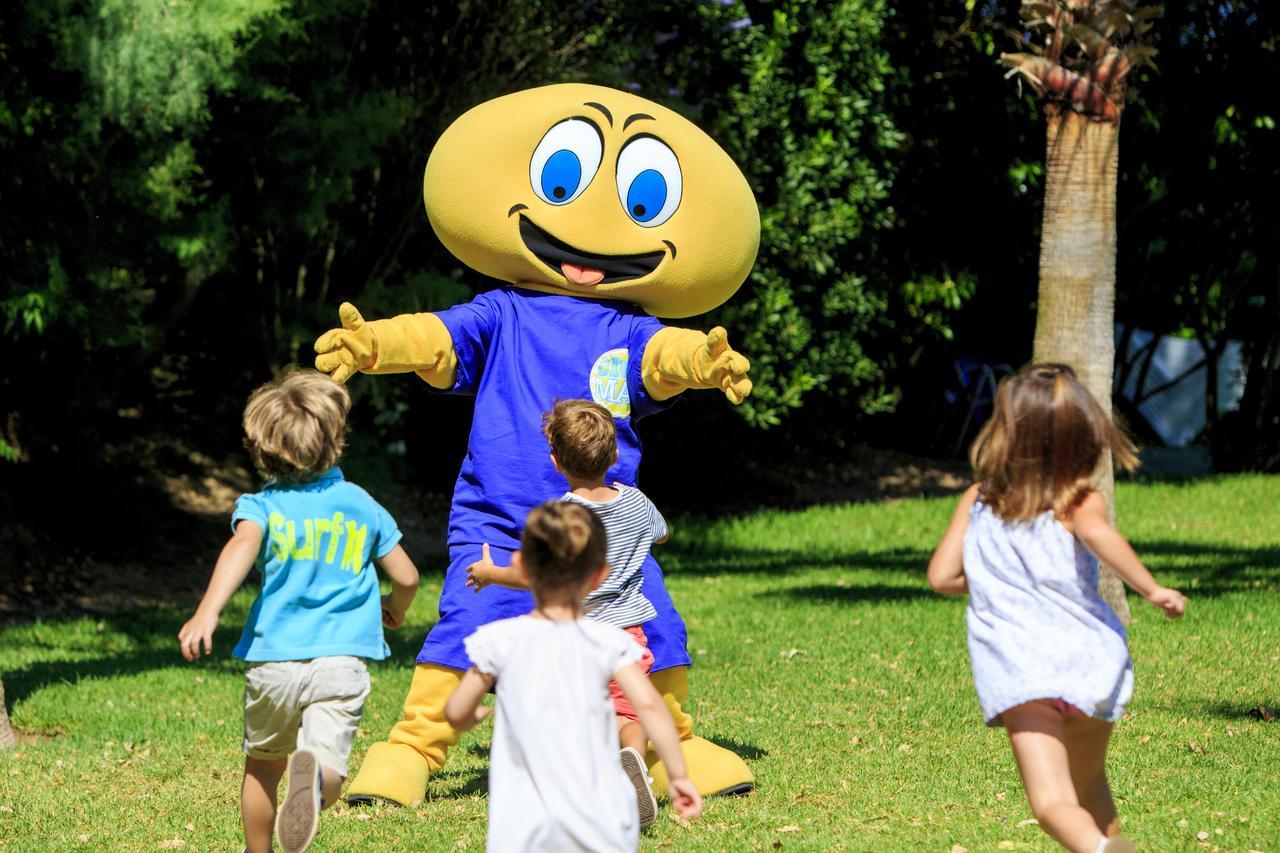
[(1167, 378), (974, 390)]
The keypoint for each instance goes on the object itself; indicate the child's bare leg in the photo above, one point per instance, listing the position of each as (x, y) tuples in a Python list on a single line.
[(258, 801), (1036, 733), (1086, 740), (331, 786), (631, 734)]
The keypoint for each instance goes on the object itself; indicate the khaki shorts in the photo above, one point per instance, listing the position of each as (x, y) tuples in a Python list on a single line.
[(304, 703)]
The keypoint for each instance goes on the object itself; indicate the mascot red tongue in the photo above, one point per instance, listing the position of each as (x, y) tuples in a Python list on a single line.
[(581, 275), (597, 212)]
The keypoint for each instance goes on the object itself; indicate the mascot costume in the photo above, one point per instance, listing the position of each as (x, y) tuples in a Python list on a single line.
[(601, 211)]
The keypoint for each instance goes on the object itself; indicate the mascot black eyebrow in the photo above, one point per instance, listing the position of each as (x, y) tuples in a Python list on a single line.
[(601, 211)]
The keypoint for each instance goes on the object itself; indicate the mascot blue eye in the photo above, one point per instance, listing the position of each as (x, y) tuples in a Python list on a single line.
[(649, 181), (647, 195), (561, 175), (565, 161)]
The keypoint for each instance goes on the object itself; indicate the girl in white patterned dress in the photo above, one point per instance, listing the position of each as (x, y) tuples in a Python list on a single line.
[(1050, 657), (555, 782)]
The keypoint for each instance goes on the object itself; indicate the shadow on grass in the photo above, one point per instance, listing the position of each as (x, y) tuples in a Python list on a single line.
[(1219, 569), (449, 783), (151, 632), (458, 783), (1265, 710), (22, 682), (853, 593), (151, 641), (464, 783), (745, 751), (478, 751), (715, 561)]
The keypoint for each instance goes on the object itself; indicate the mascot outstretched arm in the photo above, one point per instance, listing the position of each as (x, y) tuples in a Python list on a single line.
[(674, 360), (601, 212)]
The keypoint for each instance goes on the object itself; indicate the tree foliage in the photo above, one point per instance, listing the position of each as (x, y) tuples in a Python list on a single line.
[(1197, 188), (193, 187), (1201, 208), (798, 94)]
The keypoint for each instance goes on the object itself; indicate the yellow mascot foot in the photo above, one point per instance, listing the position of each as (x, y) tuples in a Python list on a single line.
[(392, 772), (715, 770)]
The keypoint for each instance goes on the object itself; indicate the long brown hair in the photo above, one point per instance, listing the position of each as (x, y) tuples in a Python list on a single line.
[(1043, 445)]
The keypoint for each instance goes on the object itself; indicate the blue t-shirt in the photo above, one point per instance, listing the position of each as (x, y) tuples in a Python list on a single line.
[(320, 592), (519, 351)]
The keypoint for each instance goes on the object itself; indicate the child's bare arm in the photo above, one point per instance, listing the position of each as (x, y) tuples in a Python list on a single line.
[(655, 717), (463, 710), (662, 527), (505, 576), (403, 575), (483, 572), (1093, 527), (234, 563), (946, 567)]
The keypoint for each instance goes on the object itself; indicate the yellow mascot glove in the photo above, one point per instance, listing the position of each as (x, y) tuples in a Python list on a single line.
[(676, 359), (409, 343)]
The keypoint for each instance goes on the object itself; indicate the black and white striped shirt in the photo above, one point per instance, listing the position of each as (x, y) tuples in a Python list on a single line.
[(632, 524)]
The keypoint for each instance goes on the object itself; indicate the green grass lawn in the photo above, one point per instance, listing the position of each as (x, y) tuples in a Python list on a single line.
[(821, 656)]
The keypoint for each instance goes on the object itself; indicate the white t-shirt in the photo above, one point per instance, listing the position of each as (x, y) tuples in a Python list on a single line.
[(555, 780)]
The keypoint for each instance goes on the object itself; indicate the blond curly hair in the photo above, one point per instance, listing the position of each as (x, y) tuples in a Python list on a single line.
[(295, 425)]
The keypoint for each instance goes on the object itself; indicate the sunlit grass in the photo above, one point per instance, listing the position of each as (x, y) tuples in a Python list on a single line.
[(821, 657)]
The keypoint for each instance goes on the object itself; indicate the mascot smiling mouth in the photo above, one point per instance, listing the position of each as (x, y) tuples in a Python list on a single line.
[(583, 268)]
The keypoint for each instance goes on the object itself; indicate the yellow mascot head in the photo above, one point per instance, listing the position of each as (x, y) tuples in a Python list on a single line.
[(593, 192)]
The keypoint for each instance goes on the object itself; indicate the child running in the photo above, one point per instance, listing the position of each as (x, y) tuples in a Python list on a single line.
[(1050, 658), (554, 779), (584, 447), (315, 538)]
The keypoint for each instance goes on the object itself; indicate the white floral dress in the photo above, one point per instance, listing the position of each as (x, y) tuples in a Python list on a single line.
[(1038, 629)]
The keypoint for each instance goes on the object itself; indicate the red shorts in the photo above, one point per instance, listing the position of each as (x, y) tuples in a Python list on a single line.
[(621, 706)]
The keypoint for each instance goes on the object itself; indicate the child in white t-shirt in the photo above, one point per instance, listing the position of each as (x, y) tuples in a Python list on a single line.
[(555, 782), (584, 447)]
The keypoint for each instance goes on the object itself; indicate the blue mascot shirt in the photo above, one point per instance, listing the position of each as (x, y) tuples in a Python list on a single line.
[(518, 352), (320, 592)]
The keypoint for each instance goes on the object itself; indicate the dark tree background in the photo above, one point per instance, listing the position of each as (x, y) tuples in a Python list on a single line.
[(1198, 219), (191, 189)]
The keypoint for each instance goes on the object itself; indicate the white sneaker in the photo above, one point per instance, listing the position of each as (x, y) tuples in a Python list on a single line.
[(638, 776), (1116, 844), (299, 816)]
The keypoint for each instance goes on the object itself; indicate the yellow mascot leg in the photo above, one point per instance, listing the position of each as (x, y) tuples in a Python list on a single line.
[(397, 770), (714, 769)]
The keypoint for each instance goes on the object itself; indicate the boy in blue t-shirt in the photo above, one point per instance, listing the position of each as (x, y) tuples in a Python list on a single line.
[(315, 538)]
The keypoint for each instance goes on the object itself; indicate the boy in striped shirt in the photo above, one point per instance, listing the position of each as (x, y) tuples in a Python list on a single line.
[(583, 443)]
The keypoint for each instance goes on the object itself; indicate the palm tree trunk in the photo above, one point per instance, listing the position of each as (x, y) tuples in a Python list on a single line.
[(1075, 319), (6, 730)]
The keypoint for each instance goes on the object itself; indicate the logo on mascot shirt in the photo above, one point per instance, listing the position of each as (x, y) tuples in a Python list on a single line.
[(609, 382)]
